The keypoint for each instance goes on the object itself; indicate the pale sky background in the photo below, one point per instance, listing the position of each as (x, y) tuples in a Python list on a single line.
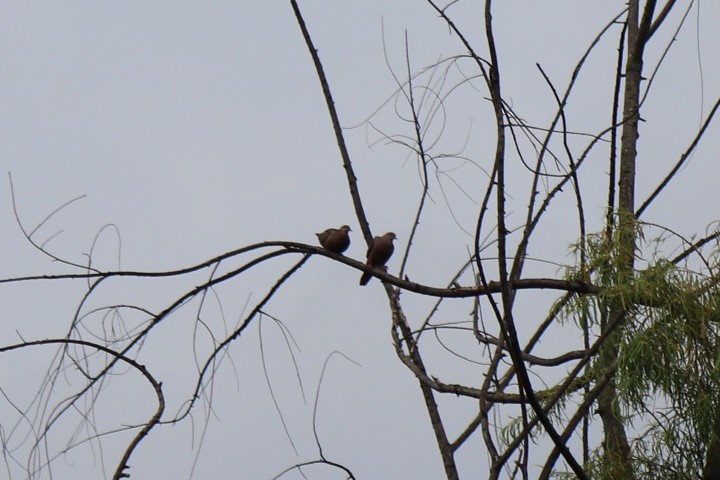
[(199, 127)]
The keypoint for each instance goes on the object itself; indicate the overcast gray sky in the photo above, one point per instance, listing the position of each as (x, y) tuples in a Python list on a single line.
[(199, 127)]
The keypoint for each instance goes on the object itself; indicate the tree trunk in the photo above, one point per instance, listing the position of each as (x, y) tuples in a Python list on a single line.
[(711, 470), (618, 459)]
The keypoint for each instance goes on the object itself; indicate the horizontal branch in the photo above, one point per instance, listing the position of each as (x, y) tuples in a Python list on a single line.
[(534, 359), (295, 247)]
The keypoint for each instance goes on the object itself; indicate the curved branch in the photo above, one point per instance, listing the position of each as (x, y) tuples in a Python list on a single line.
[(157, 387)]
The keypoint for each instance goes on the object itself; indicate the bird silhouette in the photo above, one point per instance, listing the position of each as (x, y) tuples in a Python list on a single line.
[(379, 252), (335, 239)]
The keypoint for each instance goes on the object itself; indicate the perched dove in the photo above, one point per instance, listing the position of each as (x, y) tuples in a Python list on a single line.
[(335, 239), (379, 252)]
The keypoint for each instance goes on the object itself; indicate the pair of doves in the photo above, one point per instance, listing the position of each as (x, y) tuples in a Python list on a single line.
[(337, 240)]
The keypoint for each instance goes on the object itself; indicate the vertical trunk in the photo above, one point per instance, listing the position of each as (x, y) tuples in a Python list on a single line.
[(711, 470), (616, 447), (447, 452)]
